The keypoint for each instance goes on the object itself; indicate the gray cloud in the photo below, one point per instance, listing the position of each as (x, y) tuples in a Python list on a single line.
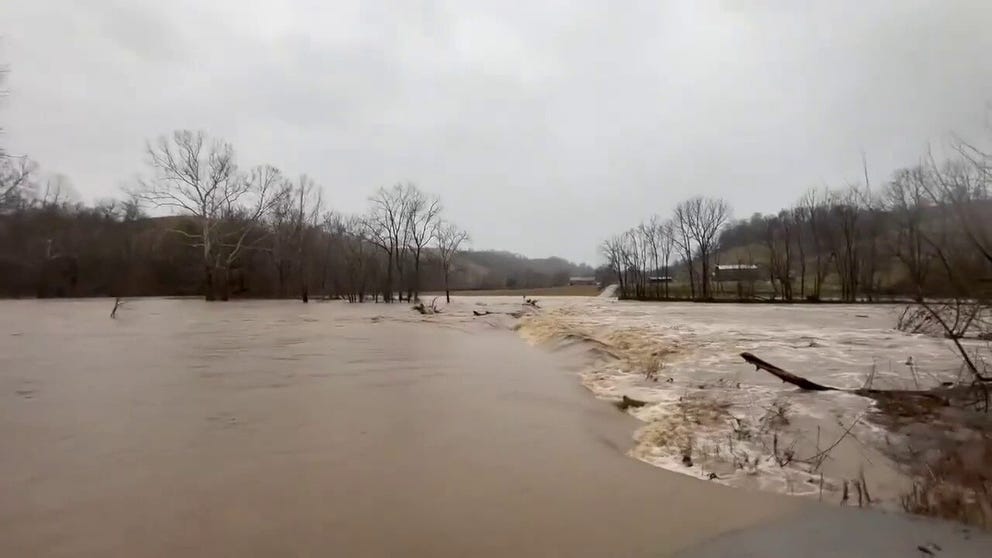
[(543, 126)]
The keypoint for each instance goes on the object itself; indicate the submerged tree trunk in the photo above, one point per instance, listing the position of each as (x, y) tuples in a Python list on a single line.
[(225, 288), (704, 278), (208, 282), (304, 279), (416, 277), (387, 293)]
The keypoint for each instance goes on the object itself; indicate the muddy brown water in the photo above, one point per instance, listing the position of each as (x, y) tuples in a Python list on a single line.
[(279, 429)]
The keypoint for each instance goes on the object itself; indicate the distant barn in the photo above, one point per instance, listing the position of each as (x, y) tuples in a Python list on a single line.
[(655, 279), (572, 281), (736, 272)]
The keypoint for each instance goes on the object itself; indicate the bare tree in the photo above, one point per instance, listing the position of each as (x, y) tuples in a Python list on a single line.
[(633, 260), (279, 222), (387, 226), (813, 206), (705, 217), (424, 211), (200, 180), (964, 188), (907, 200), (683, 239), (844, 220), (666, 242), (307, 201), (193, 180), (17, 181), (873, 224), (329, 249), (612, 248), (797, 216), (778, 239), (359, 258), (449, 239), (651, 233), (57, 191), (961, 191), (252, 196)]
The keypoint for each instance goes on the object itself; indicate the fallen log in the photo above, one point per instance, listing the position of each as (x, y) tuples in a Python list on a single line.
[(941, 395), (787, 377)]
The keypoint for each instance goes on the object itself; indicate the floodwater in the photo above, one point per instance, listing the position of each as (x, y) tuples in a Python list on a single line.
[(183, 428), (746, 428), (274, 428)]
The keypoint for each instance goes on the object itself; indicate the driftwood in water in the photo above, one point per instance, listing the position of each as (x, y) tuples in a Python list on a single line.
[(427, 310), (628, 402), (117, 304), (787, 377), (516, 315), (941, 394)]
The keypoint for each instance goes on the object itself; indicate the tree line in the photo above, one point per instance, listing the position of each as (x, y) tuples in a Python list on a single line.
[(926, 232), (641, 258), (229, 231)]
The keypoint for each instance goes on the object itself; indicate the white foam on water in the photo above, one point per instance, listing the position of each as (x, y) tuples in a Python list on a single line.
[(705, 402)]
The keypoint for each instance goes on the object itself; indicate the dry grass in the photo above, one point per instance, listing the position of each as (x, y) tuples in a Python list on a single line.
[(946, 449), (955, 483)]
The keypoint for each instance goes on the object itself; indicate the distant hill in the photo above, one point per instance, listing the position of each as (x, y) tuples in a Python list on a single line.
[(495, 269)]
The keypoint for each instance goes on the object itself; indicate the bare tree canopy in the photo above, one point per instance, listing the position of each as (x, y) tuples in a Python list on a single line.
[(424, 212), (387, 226), (199, 178), (449, 241), (18, 185)]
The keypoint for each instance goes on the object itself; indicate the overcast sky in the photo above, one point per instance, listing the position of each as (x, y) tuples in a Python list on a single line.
[(543, 125)]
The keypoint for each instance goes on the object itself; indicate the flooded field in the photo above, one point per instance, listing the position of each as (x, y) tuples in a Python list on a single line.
[(276, 428), (280, 429)]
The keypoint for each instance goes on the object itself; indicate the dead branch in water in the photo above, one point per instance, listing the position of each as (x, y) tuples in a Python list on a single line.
[(117, 304), (427, 310), (516, 315), (628, 402), (940, 395), (781, 374)]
